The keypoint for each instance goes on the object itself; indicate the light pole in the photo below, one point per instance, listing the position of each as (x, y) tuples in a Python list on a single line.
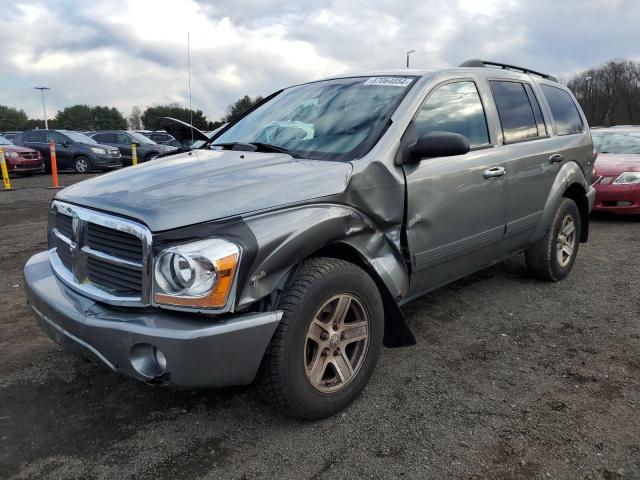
[(44, 109), (409, 53)]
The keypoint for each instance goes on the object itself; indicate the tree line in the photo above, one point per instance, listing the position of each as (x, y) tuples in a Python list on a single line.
[(85, 117), (610, 93)]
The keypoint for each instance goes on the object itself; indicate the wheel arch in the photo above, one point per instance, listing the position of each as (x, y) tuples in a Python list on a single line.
[(286, 238), (397, 332), (570, 183)]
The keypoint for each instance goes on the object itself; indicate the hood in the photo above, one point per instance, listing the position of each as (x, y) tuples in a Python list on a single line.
[(205, 185), (16, 148), (608, 164)]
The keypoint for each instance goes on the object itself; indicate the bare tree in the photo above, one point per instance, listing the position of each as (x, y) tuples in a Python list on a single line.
[(609, 94), (135, 118)]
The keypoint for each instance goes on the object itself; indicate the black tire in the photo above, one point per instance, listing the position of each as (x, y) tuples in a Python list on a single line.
[(542, 258), (283, 379), (150, 156), (82, 164)]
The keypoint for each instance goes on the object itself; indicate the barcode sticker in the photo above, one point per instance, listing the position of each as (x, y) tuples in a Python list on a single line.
[(389, 81)]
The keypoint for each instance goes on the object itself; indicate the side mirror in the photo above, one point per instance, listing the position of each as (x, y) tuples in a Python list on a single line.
[(66, 143), (439, 144), (136, 144)]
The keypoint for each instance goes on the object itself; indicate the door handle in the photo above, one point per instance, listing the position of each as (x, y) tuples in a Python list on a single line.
[(494, 172), (556, 158)]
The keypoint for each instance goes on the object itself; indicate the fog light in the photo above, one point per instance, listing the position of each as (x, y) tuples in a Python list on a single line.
[(148, 361), (161, 360)]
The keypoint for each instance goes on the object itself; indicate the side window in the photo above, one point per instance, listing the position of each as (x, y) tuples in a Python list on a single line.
[(454, 107), (515, 111), (35, 137), (56, 137), (537, 112), (103, 138), (123, 139), (564, 110)]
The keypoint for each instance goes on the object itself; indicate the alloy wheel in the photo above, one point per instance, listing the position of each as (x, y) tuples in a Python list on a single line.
[(336, 343), (566, 243)]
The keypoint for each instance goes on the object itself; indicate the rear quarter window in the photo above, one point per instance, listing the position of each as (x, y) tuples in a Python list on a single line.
[(564, 110)]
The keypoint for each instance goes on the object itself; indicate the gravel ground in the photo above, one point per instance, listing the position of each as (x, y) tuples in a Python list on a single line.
[(511, 379)]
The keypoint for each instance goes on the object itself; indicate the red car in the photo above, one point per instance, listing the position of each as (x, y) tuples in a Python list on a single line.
[(617, 170), (21, 160)]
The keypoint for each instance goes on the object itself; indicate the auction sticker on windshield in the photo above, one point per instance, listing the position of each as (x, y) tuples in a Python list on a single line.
[(389, 81)]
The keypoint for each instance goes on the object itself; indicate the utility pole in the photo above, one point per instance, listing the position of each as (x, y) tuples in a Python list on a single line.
[(44, 108)]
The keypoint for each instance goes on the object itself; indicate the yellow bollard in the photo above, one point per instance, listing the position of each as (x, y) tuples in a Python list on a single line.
[(5, 173), (134, 154)]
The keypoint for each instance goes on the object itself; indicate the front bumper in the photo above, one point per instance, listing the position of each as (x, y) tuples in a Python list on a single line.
[(106, 161), (622, 199), (199, 351)]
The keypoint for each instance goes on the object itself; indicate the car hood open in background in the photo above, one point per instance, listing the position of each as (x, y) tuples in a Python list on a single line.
[(608, 164), (206, 185)]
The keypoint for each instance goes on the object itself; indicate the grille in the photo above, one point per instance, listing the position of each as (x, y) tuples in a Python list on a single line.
[(107, 263), (64, 252), (114, 242), (29, 155), (118, 279), (64, 225)]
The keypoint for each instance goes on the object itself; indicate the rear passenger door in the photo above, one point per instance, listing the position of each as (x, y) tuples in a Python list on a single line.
[(530, 155), (455, 205), (37, 139)]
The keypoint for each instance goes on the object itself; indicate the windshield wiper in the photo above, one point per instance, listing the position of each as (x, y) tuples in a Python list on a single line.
[(253, 147)]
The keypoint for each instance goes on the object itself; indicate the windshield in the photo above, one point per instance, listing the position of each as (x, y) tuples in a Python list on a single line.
[(338, 119), (141, 138), (617, 143), (78, 137), (4, 141)]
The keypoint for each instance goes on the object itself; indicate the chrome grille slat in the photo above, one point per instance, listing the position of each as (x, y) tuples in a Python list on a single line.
[(104, 256)]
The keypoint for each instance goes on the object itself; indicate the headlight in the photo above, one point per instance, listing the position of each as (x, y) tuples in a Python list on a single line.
[(197, 275), (99, 151), (627, 178), (11, 154)]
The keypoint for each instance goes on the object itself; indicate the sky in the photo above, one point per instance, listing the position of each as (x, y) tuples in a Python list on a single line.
[(134, 52)]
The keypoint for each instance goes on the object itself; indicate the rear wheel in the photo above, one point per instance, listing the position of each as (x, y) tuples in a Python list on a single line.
[(328, 342), (81, 164), (150, 156), (552, 257)]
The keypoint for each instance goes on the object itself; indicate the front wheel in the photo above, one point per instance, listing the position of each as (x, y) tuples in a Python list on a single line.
[(328, 342), (552, 257), (82, 164)]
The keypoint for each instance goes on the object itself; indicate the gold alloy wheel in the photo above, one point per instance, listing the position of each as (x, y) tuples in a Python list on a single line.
[(566, 241), (336, 343)]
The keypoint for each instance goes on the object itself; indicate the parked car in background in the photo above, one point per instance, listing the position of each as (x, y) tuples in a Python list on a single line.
[(284, 248), (73, 150), (157, 136), (21, 160), (617, 169), (146, 149), (10, 135)]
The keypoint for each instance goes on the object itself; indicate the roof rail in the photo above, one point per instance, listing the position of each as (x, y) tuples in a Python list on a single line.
[(505, 66)]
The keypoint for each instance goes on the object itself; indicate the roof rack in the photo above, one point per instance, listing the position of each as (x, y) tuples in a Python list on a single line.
[(505, 66)]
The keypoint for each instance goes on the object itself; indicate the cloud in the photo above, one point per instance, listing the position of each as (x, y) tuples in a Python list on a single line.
[(131, 52)]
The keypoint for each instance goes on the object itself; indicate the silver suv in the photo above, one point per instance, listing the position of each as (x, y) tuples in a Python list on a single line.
[(282, 249)]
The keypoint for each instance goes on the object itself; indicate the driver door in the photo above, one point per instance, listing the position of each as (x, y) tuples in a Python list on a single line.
[(456, 205), (64, 148)]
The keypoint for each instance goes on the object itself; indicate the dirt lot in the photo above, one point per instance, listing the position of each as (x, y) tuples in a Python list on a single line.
[(511, 379)]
